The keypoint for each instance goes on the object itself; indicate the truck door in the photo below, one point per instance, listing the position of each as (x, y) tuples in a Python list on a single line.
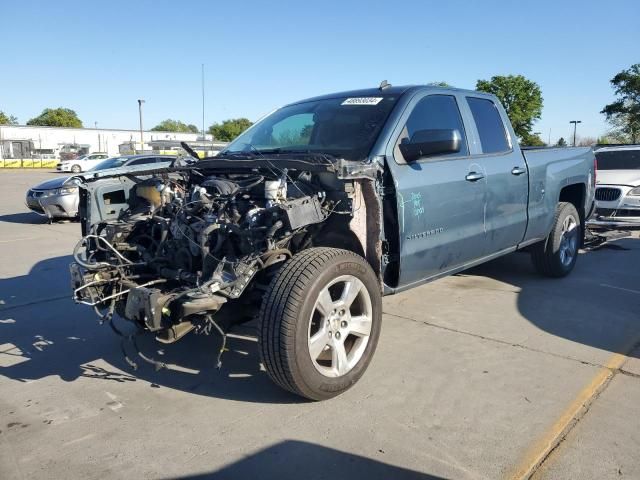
[(507, 177), (440, 198)]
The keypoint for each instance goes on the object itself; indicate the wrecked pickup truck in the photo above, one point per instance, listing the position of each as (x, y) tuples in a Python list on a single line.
[(311, 215)]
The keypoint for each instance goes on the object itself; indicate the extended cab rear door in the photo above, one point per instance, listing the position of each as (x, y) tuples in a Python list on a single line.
[(440, 198), (506, 173)]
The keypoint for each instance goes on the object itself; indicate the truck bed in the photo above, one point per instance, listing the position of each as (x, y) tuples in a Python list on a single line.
[(551, 169)]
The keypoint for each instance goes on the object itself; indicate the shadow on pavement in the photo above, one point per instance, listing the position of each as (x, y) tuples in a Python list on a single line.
[(43, 333), (292, 459), (25, 217), (597, 305)]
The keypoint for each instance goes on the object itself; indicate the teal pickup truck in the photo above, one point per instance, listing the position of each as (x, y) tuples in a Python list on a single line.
[(309, 217)]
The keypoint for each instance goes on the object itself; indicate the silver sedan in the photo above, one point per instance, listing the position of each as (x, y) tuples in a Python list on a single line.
[(59, 197), (55, 198)]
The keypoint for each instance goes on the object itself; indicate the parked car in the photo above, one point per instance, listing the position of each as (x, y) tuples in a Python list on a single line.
[(81, 163), (58, 197), (617, 188), (316, 211)]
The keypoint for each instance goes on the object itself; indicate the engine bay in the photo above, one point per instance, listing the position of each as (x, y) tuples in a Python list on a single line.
[(187, 241)]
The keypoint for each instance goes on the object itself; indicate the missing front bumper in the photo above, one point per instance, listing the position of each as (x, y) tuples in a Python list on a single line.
[(154, 309)]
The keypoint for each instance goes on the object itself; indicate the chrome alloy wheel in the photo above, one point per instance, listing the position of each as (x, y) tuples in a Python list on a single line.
[(340, 326), (569, 240)]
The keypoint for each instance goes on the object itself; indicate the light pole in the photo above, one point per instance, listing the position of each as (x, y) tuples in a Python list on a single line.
[(575, 126), (140, 102)]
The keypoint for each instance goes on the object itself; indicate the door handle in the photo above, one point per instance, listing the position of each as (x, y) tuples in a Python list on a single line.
[(518, 171), (473, 177)]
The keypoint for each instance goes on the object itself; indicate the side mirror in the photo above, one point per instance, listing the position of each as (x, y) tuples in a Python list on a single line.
[(427, 143)]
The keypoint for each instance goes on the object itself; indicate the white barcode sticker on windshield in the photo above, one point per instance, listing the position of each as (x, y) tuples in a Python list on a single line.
[(362, 101)]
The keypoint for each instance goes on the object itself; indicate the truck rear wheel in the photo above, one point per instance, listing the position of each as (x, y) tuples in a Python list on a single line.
[(557, 255), (320, 322)]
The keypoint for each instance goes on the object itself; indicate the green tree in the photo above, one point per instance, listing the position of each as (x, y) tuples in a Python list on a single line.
[(56, 117), (7, 119), (170, 125), (520, 97), (561, 142), (624, 113), (438, 84), (532, 140), (229, 129)]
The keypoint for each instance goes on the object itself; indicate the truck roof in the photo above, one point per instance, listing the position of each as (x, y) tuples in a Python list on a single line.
[(391, 90)]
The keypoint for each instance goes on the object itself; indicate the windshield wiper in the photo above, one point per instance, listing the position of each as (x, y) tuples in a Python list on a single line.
[(293, 151), (251, 152), (246, 155)]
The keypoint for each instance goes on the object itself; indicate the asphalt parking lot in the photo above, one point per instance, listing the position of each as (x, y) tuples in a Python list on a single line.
[(493, 373)]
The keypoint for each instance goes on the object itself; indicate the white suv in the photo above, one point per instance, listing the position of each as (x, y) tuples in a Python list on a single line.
[(82, 163), (617, 187)]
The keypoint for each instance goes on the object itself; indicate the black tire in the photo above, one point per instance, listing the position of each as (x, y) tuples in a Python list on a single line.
[(286, 321), (547, 256), (76, 169)]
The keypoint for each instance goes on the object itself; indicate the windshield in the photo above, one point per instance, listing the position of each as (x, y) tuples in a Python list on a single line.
[(110, 163), (345, 127), (619, 160)]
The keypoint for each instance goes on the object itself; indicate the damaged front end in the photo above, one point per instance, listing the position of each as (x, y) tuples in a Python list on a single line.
[(168, 249)]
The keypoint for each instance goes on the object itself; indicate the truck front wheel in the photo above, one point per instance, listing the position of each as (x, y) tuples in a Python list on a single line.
[(320, 322), (557, 255)]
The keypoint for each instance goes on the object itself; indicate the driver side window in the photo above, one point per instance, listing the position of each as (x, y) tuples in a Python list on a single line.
[(434, 112)]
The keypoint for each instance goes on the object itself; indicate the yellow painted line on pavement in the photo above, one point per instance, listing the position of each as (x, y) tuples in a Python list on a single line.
[(537, 454)]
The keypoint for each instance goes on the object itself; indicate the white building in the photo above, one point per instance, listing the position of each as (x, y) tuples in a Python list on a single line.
[(23, 141)]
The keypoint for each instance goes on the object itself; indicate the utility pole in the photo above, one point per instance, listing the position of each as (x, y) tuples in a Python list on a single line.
[(140, 102), (575, 127), (95, 124), (203, 102)]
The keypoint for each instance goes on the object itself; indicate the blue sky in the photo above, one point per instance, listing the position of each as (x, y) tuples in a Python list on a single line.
[(98, 58)]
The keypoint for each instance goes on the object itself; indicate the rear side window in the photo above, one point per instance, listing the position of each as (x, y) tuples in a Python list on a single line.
[(493, 137), (436, 112)]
